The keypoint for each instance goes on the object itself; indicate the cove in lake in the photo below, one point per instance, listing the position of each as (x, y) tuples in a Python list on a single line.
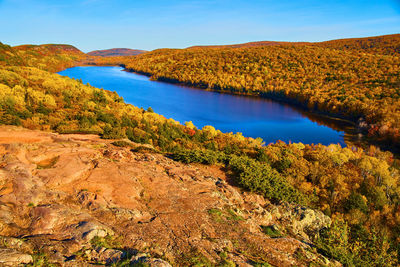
[(254, 117)]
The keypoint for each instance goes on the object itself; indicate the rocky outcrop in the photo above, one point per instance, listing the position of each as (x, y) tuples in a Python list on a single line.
[(144, 259), (80, 200), (306, 222), (12, 257), (104, 255)]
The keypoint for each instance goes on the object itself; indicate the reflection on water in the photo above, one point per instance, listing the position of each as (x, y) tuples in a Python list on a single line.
[(254, 117)]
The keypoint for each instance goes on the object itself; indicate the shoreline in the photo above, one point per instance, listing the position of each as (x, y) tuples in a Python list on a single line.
[(353, 134)]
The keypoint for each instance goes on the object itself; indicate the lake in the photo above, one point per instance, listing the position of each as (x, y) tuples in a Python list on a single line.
[(254, 117)]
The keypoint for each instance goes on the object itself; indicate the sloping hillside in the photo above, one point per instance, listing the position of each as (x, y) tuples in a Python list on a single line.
[(250, 44), (384, 44), (50, 57), (8, 56), (348, 83), (90, 201), (50, 49)]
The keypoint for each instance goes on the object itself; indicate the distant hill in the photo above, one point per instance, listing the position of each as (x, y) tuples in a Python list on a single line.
[(250, 44), (48, 49), (384, 44), (50, 57), (116, 52)]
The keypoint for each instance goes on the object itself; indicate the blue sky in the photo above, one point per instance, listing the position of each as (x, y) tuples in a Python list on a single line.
[(147, 24)]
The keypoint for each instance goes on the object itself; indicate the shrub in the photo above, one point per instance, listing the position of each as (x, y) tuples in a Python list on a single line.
[(372, 249), (262, 178), (249, 173), (121, 143), (355, 201), (113, 133), (271, 231), (205, 157)]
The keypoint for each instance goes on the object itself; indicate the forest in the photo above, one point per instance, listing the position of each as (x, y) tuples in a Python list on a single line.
[(358, 80), (50, 57), (384, 44), (358, 188)]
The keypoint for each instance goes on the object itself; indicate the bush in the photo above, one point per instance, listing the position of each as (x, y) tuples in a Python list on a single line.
[(249, 173), (262, 178), (189, 156), (107, 118), (271, 231), (113, 133), (121, 143), (355, 201), (372, 249)]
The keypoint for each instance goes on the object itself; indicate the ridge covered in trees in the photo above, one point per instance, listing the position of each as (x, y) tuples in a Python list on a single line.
[(384, 44), (359, 189), (356, 79), (49, 57), (116, 52)]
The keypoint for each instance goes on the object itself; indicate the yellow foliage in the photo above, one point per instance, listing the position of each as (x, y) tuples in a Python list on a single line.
[(190, 125), (209, 131)]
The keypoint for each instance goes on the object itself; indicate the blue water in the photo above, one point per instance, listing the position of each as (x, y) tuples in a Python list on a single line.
[(253, 117)]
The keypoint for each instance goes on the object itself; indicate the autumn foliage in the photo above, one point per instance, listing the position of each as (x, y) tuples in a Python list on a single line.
[(353, 79), (50, 57), (359, 189)]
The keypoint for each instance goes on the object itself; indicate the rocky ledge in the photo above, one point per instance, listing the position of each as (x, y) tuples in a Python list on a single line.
[(77, 200)]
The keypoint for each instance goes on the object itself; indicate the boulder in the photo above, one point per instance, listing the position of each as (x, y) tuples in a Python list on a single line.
[(94, 233), (104, 255), (12, 257), (305, 222), (91, 200), (310, 221)]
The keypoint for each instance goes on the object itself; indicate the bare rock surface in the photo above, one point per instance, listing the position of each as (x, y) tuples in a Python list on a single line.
[(79, 200), (12, 257), (144, 259), (104, 255)]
